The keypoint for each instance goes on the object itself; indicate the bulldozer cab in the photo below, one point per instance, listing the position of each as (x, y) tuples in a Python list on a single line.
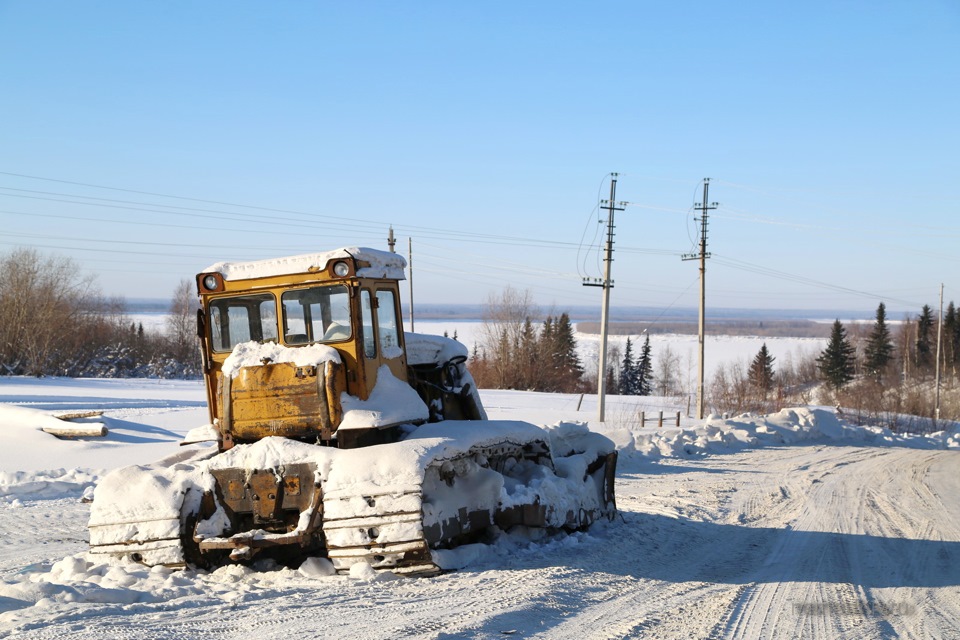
[(346, 300)]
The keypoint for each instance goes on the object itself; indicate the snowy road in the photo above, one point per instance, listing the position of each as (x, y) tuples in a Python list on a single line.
[(826, 541)]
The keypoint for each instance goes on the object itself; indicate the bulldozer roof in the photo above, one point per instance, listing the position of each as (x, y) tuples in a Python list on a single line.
[(371, 263)]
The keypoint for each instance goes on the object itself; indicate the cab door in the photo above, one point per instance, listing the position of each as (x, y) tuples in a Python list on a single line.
[(382, 331)]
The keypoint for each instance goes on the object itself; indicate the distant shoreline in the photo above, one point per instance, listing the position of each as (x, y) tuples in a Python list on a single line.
[(631, 320)]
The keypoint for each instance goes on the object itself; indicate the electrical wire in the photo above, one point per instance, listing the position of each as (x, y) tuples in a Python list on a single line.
[(586, 274), (337, 221), (323, 222), (783, 275)]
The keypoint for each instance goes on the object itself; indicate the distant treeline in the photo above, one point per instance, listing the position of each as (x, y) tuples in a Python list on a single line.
[(759, 328)]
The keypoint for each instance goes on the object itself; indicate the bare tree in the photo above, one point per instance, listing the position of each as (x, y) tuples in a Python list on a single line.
[(182, 322), (730, 389), (504, 319), (668, 371), (45, 304)]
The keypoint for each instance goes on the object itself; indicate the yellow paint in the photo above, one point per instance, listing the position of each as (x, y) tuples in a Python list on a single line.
[(281, 398)]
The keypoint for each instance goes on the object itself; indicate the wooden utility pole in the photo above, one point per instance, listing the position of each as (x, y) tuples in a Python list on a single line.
[(410, 266), (702, 256), (606, 284), (936, 413)]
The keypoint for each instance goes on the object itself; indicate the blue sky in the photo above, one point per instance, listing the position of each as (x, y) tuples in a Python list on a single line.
[(149, 140)]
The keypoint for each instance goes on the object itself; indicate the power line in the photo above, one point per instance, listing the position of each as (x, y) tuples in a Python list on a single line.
[(240, 221), (118, 204), (783, 275)]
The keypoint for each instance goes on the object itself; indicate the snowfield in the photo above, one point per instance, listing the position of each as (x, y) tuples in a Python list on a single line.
[(791, 525), (720, 350)]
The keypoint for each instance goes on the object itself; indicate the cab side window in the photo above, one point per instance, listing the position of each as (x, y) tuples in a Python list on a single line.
[(366, 317), (387, 324)]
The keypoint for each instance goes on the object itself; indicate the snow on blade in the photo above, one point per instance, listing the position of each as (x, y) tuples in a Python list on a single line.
[(251, 354), (274, 452)]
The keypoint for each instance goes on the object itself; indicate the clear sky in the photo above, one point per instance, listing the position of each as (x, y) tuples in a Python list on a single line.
[(148, 140)]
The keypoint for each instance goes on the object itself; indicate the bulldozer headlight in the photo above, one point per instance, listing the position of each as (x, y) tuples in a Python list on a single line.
[(341, 269), (211, 282)]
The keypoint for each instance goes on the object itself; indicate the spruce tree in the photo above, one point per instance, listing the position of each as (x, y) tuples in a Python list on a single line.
[(956, 339), (760, 374), (566, 359), (951, 335), (836, 362), (924, 340), (628, 372), (645, 370), (526, 358), (611, 383), (879, 350), (546, 349), (546, 334)]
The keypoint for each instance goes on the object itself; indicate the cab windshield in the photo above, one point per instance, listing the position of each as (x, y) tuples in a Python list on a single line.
[(317, 314), (241, 319)]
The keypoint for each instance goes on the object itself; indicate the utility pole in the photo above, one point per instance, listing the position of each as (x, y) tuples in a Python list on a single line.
[(410, 265), (936, 413), (391, 241), (606, 284), (702, 256)]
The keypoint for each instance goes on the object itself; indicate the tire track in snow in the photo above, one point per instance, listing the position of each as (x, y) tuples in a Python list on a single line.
[(871, 500), (41, 532)]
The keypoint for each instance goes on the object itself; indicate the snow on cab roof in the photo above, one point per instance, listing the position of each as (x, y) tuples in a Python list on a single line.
[(382, 264)]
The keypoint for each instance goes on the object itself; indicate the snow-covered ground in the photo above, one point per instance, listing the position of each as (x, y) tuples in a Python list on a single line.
[(790, 525), (719, 351)]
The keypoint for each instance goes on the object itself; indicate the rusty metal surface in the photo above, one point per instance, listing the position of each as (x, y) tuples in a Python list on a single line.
[(281, 400), (267, 496), (265, 507)]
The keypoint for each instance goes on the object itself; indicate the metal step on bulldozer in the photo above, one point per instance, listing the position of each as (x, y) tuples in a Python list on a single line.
[(339, 435)]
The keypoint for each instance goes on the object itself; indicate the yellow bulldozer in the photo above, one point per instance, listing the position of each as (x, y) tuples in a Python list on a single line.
[(340, 435)]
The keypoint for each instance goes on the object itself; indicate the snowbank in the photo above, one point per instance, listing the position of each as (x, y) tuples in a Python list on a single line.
[(77, 579), (22, 428), (24, 418), (47, 484), (789, 426)]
